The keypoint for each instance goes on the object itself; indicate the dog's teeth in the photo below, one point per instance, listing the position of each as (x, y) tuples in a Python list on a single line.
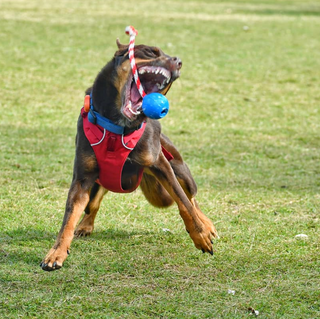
[(134, 112), (142, 71), (129, 106), (161, 86)]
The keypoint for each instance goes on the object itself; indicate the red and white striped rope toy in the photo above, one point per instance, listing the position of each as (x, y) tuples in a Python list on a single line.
[(132, 32)]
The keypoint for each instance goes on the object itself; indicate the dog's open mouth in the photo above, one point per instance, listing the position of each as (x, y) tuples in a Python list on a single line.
[(153, 79)]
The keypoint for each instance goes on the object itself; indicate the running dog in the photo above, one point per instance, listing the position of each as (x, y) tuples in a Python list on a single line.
[(118, 149)]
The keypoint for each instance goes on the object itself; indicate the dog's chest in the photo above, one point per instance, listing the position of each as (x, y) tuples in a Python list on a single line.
[(112, 151)]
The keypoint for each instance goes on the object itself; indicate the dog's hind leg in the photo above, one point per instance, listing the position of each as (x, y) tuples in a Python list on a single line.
[(154, 192), (86, 225)]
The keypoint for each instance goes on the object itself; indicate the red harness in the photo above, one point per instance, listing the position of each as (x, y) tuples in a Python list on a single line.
[(111, 151)]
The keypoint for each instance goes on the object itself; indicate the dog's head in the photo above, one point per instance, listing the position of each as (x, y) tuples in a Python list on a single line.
[(156, 70)]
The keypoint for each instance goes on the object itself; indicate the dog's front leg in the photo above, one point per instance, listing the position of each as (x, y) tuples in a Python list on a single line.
[(77, 201), (200, 230)]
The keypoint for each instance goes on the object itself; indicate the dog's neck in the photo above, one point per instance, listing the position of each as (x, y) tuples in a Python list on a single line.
[(105, 96)]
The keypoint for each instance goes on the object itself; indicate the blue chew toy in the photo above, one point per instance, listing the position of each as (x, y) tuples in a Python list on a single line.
[(155, 106)]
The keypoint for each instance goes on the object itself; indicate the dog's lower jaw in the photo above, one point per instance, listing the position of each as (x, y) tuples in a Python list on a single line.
[(128, 112), (130, 109), (135, 123)]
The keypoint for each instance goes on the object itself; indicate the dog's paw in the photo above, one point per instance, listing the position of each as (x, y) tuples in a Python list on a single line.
[(54, 259), (209, 225), (83, 231), (202, 240), (202, 237)]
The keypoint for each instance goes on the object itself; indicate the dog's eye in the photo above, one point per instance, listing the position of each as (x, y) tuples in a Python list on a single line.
[(156, 51), (152, 52)]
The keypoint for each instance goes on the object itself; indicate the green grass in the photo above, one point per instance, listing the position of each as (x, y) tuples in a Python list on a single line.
[(245, 116)]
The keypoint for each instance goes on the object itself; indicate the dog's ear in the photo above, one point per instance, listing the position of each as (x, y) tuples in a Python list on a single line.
[(122, 49), (121, 46)]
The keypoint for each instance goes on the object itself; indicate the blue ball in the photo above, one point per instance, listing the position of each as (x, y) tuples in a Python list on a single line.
[(155, 106)]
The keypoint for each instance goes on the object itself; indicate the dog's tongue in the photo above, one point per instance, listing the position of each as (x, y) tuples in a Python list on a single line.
[(134, 94)]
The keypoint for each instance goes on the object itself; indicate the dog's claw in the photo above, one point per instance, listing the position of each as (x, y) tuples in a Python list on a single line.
[(203, 250), (211, 252), (68, 252), (44, 266), (54, 259), (55, 266)]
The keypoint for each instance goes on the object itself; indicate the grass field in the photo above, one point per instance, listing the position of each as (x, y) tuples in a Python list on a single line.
[(245, 116)]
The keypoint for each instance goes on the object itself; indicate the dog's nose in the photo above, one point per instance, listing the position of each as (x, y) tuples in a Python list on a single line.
[(177, 62)]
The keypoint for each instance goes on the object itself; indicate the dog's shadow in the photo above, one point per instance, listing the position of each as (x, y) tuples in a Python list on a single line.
[(28, 246)]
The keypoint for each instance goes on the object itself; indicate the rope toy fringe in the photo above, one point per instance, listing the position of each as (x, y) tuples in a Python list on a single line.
[(132, 32)]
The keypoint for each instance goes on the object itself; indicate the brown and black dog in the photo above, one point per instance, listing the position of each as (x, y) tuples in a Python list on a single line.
[(115, 97)]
